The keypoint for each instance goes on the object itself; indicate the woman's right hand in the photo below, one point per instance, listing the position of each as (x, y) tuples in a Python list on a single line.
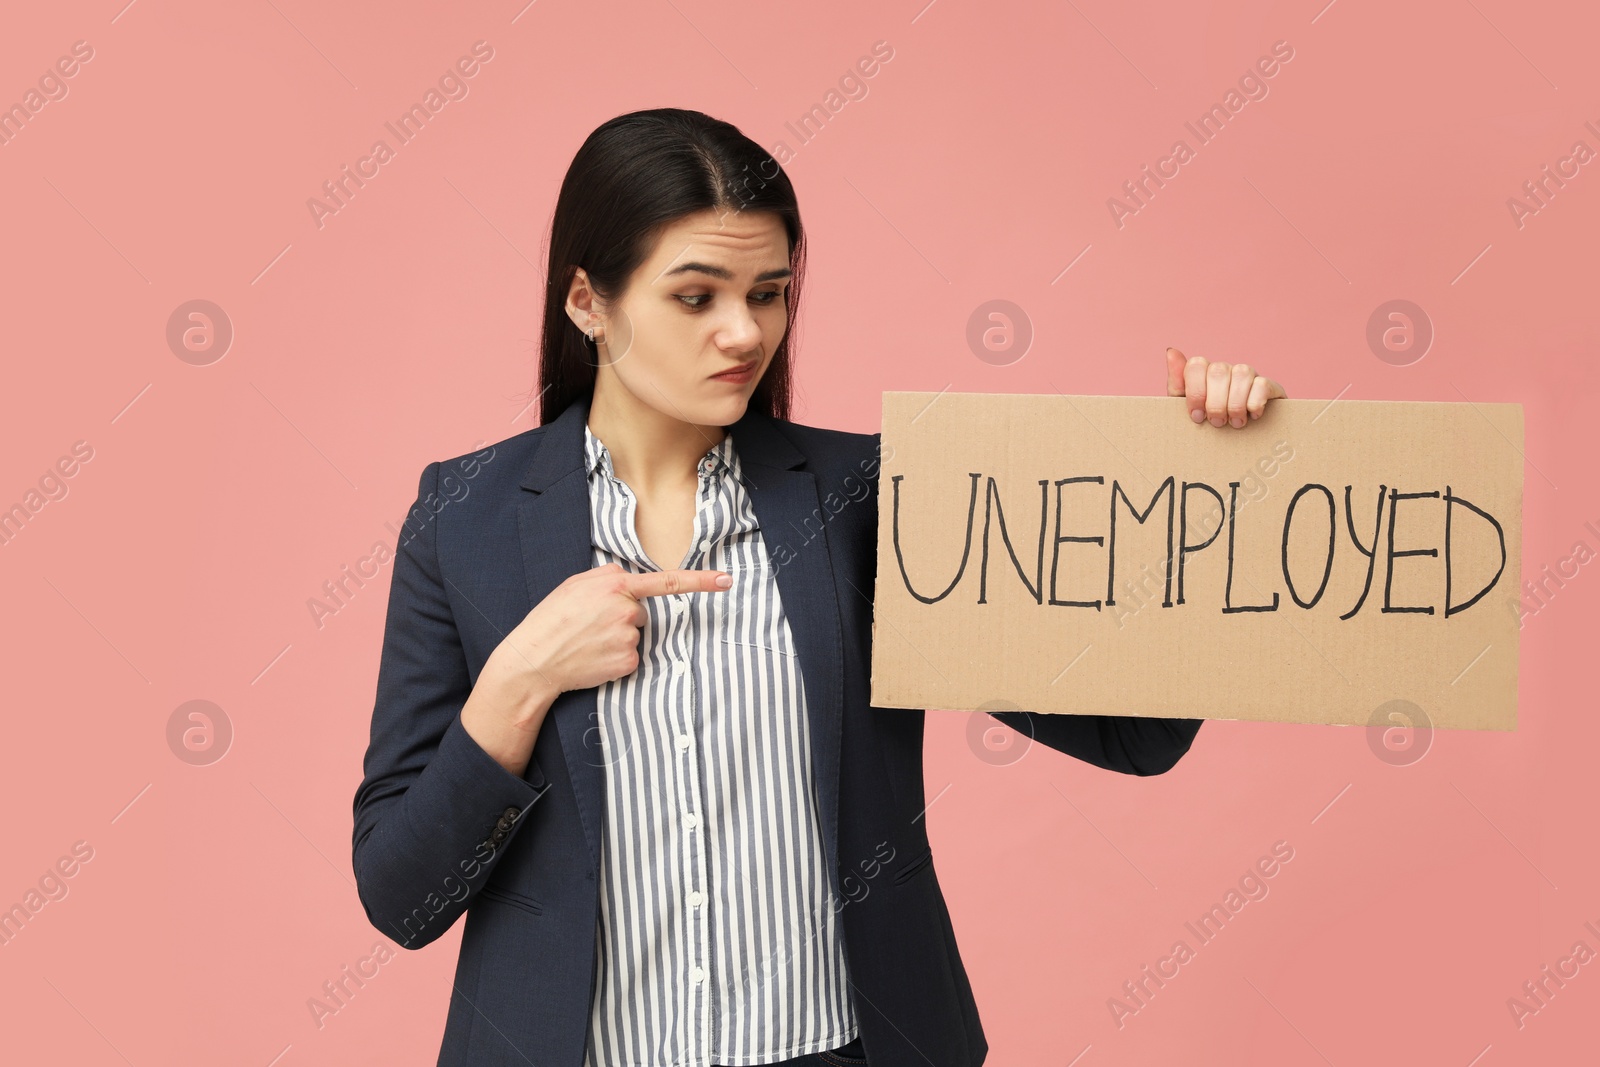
[(584, 633)]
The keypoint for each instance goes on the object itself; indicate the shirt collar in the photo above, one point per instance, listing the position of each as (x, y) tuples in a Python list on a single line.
[(717, 460)]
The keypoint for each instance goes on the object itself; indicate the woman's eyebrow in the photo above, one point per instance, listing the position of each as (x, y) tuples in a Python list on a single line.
[(725, 274)]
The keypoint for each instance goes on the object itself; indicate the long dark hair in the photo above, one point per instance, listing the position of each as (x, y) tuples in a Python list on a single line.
[(633, 176)]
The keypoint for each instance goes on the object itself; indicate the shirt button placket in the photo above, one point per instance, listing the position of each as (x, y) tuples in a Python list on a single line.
[(696, 849), (683, 685)]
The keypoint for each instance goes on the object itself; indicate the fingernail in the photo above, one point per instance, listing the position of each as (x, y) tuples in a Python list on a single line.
[(1197, 414), (1237, 423), (1218, 421), (724, 580)]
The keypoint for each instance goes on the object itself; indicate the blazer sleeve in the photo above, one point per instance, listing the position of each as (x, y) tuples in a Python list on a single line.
[(1125, 743), (434, 810)]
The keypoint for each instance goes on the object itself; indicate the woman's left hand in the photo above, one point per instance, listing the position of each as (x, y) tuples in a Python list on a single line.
[(1225, 393)]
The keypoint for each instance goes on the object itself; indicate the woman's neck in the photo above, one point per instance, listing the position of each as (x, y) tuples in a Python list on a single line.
[(650, 451)]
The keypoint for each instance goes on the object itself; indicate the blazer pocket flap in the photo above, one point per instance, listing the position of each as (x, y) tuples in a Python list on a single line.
[(913, 866), (511, 897)]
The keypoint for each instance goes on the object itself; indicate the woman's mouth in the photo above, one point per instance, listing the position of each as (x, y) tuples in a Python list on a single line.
[(739, 375)]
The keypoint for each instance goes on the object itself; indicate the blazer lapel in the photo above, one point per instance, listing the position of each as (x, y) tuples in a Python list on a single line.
[(553, 517), (554, 527)]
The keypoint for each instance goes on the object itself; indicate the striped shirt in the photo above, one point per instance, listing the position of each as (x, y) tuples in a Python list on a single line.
[(716, 941)]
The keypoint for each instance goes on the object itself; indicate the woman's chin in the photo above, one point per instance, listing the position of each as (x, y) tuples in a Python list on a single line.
[(724, 412)]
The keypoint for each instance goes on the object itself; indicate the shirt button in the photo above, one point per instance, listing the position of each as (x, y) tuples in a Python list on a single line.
[(678, 666), (704, 545), (683, 741), (677, 608), (696, 898), (691, 820), (698, 974)]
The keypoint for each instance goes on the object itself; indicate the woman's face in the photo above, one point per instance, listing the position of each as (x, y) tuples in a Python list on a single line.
[(710, 298)]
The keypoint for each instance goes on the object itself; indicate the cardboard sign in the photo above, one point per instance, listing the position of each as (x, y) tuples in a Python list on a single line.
[(1106, 555)]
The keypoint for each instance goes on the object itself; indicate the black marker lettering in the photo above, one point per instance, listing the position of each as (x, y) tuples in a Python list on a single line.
[(1035, 587), (1449, 501), (1056, 549), (1388, 581), (1372, 555), (1333, 528), (966, 550), (1227, 590), (1111, 550), (1184, 547)]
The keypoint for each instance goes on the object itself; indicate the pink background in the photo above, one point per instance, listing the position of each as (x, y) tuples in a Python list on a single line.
[(977, 167)]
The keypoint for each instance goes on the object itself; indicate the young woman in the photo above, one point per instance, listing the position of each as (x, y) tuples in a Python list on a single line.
[(624, 735)]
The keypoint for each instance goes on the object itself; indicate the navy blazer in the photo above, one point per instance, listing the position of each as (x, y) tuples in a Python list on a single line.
[(442, 830)]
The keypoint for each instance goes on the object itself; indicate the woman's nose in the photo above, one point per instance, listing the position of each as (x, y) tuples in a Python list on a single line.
[(741, 332)]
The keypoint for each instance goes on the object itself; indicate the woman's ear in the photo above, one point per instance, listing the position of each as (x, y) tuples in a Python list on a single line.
[(580, 301)]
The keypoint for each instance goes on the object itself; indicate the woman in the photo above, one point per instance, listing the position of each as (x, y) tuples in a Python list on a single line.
[(613, 731)]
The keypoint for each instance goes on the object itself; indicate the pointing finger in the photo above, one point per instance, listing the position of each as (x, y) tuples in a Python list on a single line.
[(662, 583)]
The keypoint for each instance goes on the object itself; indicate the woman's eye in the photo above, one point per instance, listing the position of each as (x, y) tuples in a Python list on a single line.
[(698, 300)]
